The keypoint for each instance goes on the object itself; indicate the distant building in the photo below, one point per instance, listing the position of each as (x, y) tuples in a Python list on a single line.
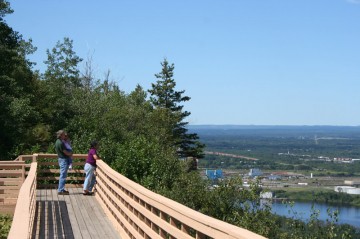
[(347, 189), (255, 172), (288, 175), (343, 160), (214, 174), (274, 177), (266, 195), (303, 184), (352, 183)]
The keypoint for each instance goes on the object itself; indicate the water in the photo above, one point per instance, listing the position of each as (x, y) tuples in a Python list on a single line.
[(347, 214)]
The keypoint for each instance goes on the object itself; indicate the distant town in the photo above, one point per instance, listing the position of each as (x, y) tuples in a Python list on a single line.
[(283, 179)]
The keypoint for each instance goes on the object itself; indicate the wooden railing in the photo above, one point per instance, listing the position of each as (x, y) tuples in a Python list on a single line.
[(23, 220), (49, 171), (135, 211), (140, 213), (12, 176)]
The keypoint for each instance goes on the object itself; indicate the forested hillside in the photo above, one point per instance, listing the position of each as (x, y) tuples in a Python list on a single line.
[(143, 134)]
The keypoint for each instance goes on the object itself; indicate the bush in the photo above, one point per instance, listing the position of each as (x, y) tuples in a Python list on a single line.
[(5, 225)]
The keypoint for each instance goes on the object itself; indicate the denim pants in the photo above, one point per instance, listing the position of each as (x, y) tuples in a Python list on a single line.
[(90, 177), (64, 166)]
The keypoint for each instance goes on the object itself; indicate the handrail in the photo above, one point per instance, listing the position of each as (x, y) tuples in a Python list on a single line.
[(135, 211), (49, 170), (138, 212), (13, 169), (12, 176), (23, 220)]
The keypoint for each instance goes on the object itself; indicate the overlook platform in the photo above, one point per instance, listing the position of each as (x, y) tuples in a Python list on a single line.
[(120, 208), (70, 216)]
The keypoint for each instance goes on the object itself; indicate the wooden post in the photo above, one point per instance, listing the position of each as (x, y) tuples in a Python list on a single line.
[(34, 158), (23, 173)]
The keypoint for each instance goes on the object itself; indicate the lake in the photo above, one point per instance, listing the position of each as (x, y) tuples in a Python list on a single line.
[(347, 214)]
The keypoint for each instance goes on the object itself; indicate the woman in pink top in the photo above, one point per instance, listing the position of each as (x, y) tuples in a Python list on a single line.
[(89, 168)]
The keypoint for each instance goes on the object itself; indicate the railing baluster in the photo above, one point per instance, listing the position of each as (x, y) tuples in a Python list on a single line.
[(185, 228), (199, 235), (139, 213)]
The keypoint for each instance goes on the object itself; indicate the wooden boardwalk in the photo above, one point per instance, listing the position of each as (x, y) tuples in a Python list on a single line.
[(136, 211), (70, 216)]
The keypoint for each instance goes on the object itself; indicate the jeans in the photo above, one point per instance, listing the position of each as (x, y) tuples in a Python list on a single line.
[(64, 166), (90, 178)]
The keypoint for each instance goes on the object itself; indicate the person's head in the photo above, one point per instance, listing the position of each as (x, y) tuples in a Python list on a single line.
[(66, 137), (60, 134), (94, 144)]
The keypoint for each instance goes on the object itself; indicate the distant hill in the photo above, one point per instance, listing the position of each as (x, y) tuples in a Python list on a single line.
[(276, 131)]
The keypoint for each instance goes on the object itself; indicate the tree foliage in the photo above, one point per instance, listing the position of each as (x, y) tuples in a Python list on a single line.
[(144, 139), (5, 225), (60, 84), (168, 102), (18, 89)]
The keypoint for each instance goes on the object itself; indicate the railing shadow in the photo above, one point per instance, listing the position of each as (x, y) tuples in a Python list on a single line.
[(52, 220), (134, 211)]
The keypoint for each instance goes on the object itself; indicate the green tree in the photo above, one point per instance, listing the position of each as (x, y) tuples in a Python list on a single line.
[(62, 65), (18, 89), (148, 163), (61, 81), (167, 103), (99, 115)]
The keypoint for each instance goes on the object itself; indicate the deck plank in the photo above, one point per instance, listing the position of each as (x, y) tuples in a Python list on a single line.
[(58, 217), (77, 208), (72, 226), (36, 225), (49, 215), (42, 214), (103, 220), (88, 214), (70, 216)]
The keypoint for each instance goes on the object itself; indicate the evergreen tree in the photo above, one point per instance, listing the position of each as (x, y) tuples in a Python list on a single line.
[(168, 101)]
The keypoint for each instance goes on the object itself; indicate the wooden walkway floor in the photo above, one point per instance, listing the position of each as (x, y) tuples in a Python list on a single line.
[(70, 216)]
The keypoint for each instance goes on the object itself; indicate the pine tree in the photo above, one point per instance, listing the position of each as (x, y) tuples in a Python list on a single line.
[(163, 96)]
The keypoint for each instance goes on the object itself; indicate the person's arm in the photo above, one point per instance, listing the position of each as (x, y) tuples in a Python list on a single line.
[(96, 157), (67, 153)]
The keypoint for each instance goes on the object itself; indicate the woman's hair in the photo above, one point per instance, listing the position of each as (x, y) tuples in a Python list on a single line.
[(93, 144)]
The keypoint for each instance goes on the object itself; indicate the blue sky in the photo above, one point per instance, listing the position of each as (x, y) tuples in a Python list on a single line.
[(247, 62)]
